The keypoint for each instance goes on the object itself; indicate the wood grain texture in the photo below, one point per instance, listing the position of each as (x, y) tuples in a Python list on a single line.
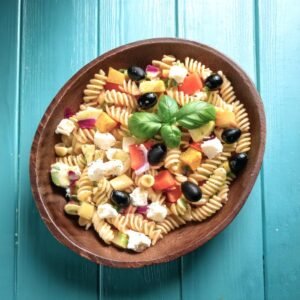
[(228, 267), (126, 22), (279, 30), (58, 37), (9, 108)]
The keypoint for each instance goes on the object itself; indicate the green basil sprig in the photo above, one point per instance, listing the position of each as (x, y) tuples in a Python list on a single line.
[(195, 114), (145, 125)]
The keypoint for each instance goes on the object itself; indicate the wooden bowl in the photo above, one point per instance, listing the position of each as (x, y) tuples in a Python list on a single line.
[(50, 200)]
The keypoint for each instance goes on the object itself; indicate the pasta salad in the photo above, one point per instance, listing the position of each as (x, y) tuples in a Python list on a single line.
[(150, 149)]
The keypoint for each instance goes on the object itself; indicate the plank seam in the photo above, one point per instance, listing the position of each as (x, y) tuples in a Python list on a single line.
[(262, 186), (18, 144)]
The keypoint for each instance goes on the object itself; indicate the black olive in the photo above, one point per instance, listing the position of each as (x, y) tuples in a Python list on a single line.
[(213, 81), (191, 191), (136, 73), (120, 198), (147, 100), (238, 162), (157, 153), (231, 135)]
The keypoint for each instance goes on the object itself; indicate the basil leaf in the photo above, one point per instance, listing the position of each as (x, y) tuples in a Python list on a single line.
[(195, 114), (167, 107), (144, 125), (171, 135)]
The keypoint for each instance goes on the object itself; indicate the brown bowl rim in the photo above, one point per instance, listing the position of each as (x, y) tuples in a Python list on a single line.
[(65, 240)]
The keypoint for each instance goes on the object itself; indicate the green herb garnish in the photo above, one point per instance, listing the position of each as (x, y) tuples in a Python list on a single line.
[(145, 125)]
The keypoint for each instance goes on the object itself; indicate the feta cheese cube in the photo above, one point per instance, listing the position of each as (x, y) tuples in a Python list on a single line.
[(106, 210), (104, 140), (212, 148), (139, 197), (137, 241), (65, 127), (98, 169), (157, 212), (178, 73)]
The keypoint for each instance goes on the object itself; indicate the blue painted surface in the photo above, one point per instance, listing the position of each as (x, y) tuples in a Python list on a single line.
[(43, 42)]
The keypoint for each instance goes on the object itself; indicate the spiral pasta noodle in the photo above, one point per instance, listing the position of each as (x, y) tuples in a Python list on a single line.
[(85, 187), (120, 99), (119, 114), (180, 97), (73, 160), (226, 91), (241, 116), (102, 192), (103, 229), (137, 223), (94, 87), (130, 87), (195, 66), (165, 63)]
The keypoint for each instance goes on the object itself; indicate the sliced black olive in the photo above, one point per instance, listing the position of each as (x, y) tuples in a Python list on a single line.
[(238, 162), (231, 135), (191, 191), (122, 199), (136, 73), (157, 153), (213, 81), (147, 100)]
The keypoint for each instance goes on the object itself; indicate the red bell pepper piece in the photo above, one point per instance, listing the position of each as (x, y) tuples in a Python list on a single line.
[(174, 194), (164, 180), (191, 84), (137, 157), (111, 86)]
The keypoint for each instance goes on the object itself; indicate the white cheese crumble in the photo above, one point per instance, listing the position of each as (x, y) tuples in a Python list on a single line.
[(65, 127), (137, 241), (104, 140), (212, 148), (98, 169), (139, 197), (106, 210), (157, 212), (178, 73)]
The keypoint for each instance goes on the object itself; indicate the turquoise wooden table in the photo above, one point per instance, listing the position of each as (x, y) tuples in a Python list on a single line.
[(43, 42)]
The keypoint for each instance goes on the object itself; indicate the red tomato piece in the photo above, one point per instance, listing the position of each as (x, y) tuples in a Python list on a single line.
[(174, 195), (111, 86), (137, 157), (191, 84), (148, 144), (164, 180), (196, 146)]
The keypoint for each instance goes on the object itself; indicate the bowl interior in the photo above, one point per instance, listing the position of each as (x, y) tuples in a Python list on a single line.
[(50, 200)]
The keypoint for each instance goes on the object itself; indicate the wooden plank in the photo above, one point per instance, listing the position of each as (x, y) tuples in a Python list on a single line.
[(58, 37), (279, 64), (9, 52), (230, 266), (126, 21)]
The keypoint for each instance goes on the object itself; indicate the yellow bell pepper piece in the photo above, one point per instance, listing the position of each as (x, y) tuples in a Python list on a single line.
[(153, 86), (115, 76), (192, 158)]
